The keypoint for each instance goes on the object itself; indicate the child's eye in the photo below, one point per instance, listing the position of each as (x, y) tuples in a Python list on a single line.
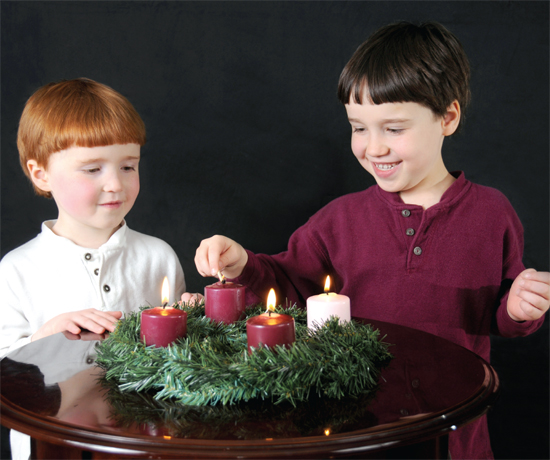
[(91, 170), (357, 129), (128, 168), (395, 130)]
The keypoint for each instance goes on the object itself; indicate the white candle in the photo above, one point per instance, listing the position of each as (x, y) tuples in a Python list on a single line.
[(321, 307)]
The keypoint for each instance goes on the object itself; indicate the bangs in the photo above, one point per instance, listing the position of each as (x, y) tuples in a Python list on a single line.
[(94, 126), (89, 119), (387, 74)]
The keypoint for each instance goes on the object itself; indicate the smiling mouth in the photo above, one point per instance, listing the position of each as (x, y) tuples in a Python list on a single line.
[(385, 166), (112, 203)]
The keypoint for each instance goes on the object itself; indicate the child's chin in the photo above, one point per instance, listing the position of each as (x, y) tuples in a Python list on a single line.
[(387, 186)]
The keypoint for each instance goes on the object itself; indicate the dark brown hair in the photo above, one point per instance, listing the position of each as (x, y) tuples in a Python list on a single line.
[(71, 113), (404, 62)]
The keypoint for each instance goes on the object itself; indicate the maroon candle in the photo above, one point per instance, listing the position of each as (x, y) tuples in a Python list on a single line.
[(224, 301), (270, 329), (162, 326)]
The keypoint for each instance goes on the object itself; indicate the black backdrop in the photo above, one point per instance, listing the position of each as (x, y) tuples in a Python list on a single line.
[(246, 137)]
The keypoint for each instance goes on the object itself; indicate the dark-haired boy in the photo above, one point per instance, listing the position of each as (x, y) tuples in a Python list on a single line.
[(423, 248)]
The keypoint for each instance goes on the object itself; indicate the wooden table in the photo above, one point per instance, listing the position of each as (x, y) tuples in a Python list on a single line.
[(50, 391)]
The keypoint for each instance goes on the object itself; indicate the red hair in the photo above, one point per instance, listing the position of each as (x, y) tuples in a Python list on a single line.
[(70, 113)]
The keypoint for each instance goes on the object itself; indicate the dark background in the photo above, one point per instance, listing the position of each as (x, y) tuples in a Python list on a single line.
[(246, 137)]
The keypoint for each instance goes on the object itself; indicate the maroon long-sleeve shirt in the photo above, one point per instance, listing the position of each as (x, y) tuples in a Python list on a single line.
[(445, 270)]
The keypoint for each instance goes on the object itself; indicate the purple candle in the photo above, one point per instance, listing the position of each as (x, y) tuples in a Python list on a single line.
[(224, 301), (162, 326), (270, 329)]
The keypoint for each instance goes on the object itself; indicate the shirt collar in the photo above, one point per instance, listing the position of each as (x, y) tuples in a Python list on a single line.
[(451, 195), (115, 241)]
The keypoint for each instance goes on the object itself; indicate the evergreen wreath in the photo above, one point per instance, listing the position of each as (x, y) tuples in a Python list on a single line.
[(212, 365)]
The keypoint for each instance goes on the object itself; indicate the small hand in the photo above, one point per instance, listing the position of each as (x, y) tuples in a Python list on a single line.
[(529, 297), (92, 320), (191, 298), (220, 253)]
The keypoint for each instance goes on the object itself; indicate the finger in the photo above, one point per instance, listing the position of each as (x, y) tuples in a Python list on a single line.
[(530, 313), (214, 252), (537, 287), (202, 258), (187, 297), (98, 321), (73, 328), (531, 302)]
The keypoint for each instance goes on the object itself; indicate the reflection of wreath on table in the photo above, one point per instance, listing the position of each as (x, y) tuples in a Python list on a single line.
[(254, 419), (212, 365)]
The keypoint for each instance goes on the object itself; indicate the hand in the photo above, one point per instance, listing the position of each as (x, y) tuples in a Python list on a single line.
[(191, 299), (220, 253), (92, 320), (529, 297)]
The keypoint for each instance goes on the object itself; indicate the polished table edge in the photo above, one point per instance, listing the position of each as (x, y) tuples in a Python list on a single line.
[(395, 434)]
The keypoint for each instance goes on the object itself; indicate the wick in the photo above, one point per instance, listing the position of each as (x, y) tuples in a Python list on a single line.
[(221, 277), (165, 303), (269, 312)]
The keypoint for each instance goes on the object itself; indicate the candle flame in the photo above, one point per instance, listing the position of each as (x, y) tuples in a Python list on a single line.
[(271, 299), (327, 432), (165, 291), (327, 284)]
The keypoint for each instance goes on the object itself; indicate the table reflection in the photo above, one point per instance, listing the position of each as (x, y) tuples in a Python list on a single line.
[(428, 378)]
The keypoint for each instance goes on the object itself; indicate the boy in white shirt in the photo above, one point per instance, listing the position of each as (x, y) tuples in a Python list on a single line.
[(79, 143)]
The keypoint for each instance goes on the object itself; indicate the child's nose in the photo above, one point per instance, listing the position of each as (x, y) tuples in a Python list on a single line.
[(113, 183), (376, 146)]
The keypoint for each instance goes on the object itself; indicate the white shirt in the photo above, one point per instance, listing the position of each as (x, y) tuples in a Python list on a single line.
[(51, 275)]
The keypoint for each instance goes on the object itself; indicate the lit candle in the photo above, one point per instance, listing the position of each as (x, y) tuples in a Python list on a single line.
[(321, 307), (269, 328), (161, 326), (224, 301)]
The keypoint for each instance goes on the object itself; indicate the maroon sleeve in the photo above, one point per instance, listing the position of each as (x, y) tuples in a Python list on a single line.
[(511, 268), (295, 274)]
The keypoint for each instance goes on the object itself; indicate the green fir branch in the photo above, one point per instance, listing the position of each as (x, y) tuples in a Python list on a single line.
[(212, 366)]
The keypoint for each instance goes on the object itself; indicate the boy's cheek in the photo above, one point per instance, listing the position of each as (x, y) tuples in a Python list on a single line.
[(75, 194)]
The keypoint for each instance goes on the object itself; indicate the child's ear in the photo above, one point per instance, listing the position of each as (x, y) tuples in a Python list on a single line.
[(39, 175), (451, 119)]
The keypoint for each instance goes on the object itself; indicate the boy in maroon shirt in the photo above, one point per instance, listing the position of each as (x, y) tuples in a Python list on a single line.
[(424, 247)]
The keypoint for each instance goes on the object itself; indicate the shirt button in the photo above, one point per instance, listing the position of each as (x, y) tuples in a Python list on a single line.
[(410, 231), (87, 256), (96, 271), (405, 213), (106, 288), (404, 412), (89, 360), (415, 383), (417, 251)]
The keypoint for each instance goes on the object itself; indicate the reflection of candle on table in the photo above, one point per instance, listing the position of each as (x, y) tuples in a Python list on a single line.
[(160, 326), (321, 307), (224, 301), (270, 329)]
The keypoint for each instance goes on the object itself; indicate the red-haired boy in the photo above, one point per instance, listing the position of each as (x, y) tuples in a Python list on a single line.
[(79, 142)]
